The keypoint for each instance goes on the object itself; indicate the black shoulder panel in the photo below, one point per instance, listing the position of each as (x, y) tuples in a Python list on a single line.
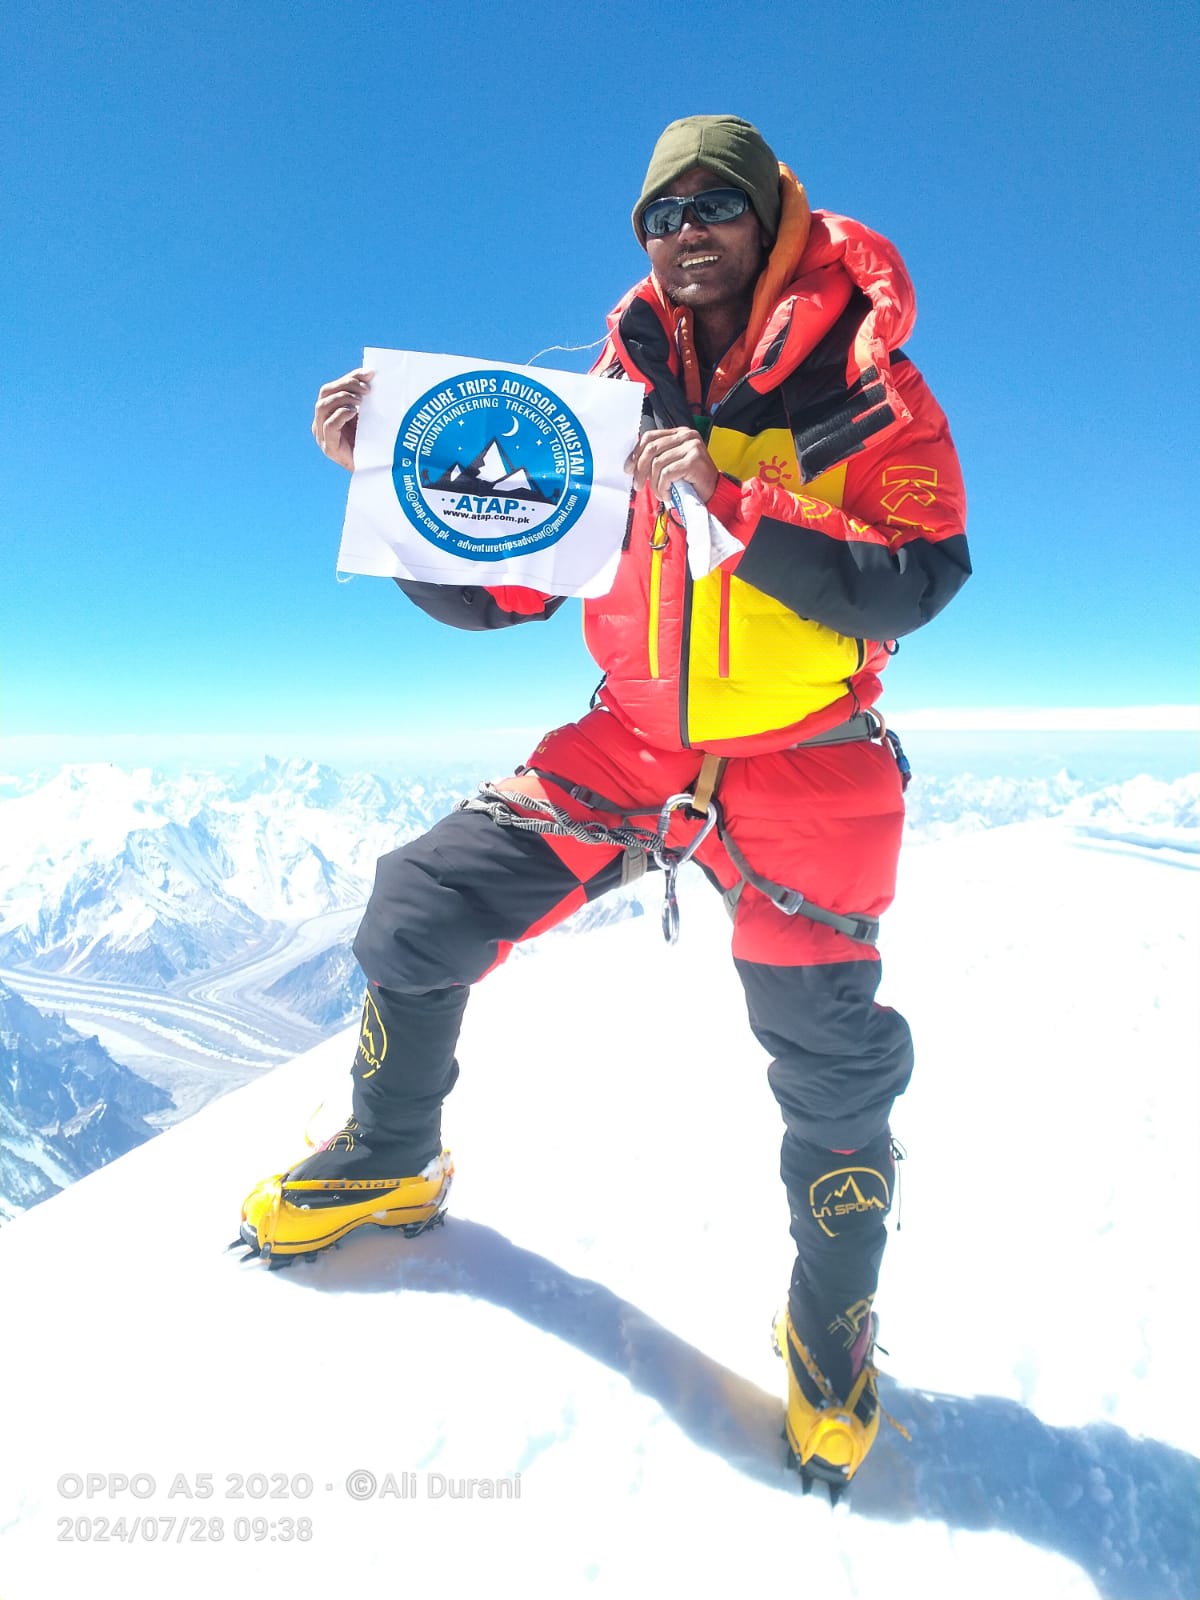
[(472, 609), (646, 343)]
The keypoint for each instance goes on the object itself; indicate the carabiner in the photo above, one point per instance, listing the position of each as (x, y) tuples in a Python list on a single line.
[(671, 860), (670, 910), (676, 803)]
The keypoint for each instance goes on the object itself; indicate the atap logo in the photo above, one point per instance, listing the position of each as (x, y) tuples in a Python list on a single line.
[(491, 464)]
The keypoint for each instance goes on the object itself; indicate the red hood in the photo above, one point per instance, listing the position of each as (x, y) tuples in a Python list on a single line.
[(816, 264)]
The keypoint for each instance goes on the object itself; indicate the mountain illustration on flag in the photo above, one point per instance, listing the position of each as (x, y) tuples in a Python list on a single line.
[(491, 472)]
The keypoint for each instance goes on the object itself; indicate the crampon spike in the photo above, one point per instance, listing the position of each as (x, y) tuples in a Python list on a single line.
[(809, 1475), (808, 1480), (413, 1230)]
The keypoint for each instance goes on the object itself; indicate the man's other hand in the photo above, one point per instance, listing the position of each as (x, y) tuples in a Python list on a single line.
[(335, 420), (664, 456)]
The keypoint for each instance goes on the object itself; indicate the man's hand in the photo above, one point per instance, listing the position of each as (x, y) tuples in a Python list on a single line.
[(672, 455), (335, 420)]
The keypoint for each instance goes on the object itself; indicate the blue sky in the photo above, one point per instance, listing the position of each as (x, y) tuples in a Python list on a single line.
[(211, 208)]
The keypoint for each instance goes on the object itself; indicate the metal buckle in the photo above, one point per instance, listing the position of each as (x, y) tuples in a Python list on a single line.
[(671, 860), (788, 901)]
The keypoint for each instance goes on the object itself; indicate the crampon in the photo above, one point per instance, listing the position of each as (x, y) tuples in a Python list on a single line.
[(284, 1220), (828, 1439)]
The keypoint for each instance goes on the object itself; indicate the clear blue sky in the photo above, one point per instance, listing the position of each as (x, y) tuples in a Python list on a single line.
[(210, 208)]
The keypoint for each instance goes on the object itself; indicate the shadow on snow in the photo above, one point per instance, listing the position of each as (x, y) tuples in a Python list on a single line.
[(1124, 1509)]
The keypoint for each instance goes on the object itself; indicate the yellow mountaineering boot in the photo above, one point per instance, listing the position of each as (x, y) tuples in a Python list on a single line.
[(828, 1438), (285, 1217)]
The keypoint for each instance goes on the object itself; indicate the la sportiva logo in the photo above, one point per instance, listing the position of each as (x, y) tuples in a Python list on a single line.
[(491, 463), (836, 1197), (372, 1039)]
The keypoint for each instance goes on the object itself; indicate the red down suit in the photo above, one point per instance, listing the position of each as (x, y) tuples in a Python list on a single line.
[(840, 480)]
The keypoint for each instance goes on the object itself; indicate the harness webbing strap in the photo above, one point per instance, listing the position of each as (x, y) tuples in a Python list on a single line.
[(862, 725), (863, 930), (706, 782)]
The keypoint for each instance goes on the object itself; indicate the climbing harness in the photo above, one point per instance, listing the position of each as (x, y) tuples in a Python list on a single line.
[(637, 842), (533, 814)]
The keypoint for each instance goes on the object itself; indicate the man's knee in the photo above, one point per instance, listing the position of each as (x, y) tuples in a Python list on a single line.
[(841, 1060), (418, 933), (447, 906), (839, 1105)]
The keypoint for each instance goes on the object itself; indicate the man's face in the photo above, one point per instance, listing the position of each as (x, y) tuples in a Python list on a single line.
[(704, 266)]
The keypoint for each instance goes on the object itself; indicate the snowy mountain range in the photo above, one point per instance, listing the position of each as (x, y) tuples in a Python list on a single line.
[(142, 879), (198, 927), (1144, 807), (66, 1107)]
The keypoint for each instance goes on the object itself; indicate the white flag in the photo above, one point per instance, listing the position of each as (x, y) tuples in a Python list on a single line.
[(472, 472)]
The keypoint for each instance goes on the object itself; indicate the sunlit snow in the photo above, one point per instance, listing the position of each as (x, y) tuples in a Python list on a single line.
[(595, 1314)]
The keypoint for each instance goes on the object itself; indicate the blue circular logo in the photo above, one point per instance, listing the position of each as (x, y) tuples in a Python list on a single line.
[(491, 464)]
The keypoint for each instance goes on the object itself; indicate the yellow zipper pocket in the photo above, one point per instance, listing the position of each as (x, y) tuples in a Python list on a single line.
[(658, 545)]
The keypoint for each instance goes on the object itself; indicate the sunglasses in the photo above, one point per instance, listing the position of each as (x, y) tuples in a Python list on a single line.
[(665, 216)]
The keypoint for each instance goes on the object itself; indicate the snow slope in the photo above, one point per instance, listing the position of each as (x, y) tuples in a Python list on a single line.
[(595, 1314)]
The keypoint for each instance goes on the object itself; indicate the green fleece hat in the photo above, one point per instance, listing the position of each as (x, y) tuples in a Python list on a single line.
[(726, 146)]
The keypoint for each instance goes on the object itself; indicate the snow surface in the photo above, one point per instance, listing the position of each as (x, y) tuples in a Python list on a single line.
[(595, 1314)]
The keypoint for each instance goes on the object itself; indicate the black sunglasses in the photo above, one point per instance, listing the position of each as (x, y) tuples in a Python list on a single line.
[(714, 205)]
